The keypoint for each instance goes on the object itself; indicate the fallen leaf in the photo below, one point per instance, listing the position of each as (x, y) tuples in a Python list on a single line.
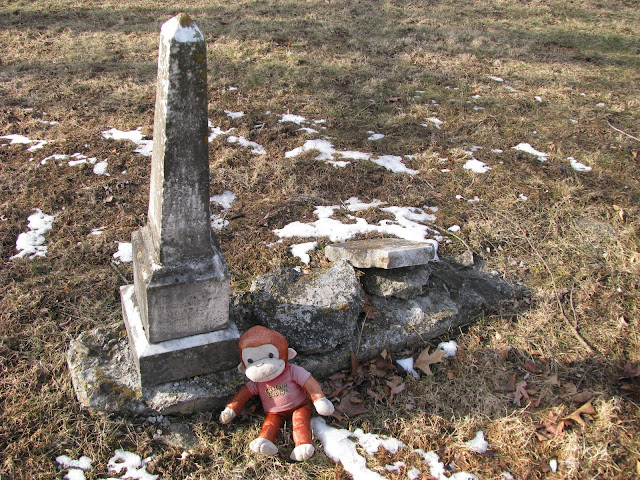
[(570, 388), (531, 367), (351, 405), (425, 359), (374, 395), (632, 388), (582, 397), (450, 374), (520, 393), (586, 409)]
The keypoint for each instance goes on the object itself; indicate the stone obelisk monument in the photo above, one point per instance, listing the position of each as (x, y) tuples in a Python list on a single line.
[(177, 312)]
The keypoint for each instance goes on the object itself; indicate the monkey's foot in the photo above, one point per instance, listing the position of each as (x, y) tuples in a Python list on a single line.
[(302, 452), (263, 446)]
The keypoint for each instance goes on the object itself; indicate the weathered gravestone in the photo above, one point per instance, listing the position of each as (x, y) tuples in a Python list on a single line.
[(181, 281)]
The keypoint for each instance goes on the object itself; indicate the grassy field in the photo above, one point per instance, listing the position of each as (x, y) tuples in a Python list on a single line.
[(563, 76)]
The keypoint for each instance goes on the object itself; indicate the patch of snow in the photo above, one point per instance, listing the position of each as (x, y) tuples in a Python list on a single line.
[(435, 121), (218, 222), (31, 242), (301, 250), (553, 465), (233, 89), (339, 448), (495, 79), (478, 443), (74, 474), (172, 29), (575, 122), (225, 199), (393, 163), (600, 105), (143, 146), (217, 131), (372, 442), (256, 148), (450, 348), (476, 166), (522, 196), (297, 119), (407, 366), (506, 476), (395, 467), (527, 148), (414, 473), (577, 166), (97, 231), (134, 466), (454, 228), (404, 226), (21, 139), (124, 253), (309, 130), (497, 150), (234, 115), (375, 136), (83, 463), (538, 98), (100, 168)]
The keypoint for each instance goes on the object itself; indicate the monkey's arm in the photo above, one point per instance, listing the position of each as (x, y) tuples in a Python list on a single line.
[(236, 404), (322, 404)]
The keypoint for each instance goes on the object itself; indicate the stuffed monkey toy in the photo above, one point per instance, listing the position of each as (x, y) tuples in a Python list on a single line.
[(283, 390)]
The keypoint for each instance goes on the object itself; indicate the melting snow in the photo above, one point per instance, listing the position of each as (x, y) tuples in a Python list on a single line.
[(31, 243), (301, 250), (21, 139), (256, 148), (434, 121), (234, 115), (407, 366), (527, 148), (124, 464), (577, 166), (124, 253), (327, 153), (375, 136), (297, 119), (144, 147), (450, 348), (495, 79), (339, 448), (404, 226), (225, 199), (478, 443), (476, 165)]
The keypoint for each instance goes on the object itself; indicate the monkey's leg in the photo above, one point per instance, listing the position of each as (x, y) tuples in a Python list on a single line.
[(301, 420), (264, 443)]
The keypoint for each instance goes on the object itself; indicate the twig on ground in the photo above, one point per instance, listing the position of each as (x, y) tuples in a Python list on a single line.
[(119, 272), (623, 132)]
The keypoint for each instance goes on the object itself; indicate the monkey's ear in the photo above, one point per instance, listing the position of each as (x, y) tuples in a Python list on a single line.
[(241, 368), (292, 354)]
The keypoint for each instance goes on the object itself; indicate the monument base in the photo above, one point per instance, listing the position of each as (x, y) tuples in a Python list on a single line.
[(177, 359)]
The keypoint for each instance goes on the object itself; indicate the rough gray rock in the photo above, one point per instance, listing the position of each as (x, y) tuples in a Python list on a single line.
[(316, 312), (399, 282)]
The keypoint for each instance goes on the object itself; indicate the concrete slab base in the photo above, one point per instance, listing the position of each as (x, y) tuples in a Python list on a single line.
[(106, 378), (185, 357), (383, 253)]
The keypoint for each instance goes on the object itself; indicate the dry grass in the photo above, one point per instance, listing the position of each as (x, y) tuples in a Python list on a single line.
[(357, 64)]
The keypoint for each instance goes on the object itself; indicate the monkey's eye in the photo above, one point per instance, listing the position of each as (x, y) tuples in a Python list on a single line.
[(271, 355), (250, 361)]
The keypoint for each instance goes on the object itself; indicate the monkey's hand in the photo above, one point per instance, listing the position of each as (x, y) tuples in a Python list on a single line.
[(324, 406), (227, 415)]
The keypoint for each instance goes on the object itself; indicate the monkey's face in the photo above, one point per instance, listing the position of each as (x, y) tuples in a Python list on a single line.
[(262, 363)]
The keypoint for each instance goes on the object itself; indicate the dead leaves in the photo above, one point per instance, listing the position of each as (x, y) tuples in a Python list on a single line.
[(426, 359), (375, 378), (553, 427)]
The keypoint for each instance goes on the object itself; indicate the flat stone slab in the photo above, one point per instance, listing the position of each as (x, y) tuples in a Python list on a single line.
[(383, 253), (180, 358)]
